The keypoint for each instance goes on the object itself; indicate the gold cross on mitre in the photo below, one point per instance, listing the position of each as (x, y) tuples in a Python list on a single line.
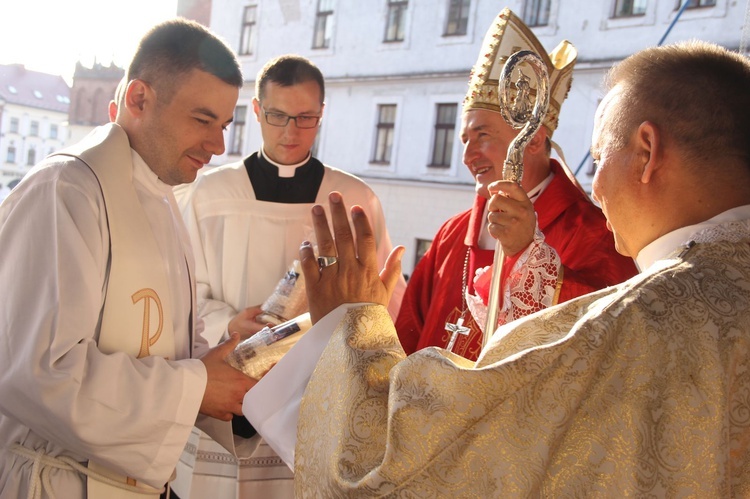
[(455, 330)]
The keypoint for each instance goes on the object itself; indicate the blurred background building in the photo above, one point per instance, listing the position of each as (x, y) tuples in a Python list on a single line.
[(92, 90), (396, 74), (33, 120)]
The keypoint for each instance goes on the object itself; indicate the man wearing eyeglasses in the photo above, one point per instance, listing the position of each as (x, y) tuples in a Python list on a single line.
[(246, 222)]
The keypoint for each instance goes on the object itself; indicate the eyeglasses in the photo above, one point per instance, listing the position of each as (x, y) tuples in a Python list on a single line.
[(280, 119)]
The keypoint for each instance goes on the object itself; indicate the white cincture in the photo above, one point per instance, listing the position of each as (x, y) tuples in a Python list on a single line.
[(43, 463)]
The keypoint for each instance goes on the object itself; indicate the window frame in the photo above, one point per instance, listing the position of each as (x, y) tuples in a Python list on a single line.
[(323, 27), (247, 31), (420, 248), (385, 129), (396, 9), (237, 135), (31, 156), (443, 135), (459, 20), (536, 6), (618, 10), (696, 4)]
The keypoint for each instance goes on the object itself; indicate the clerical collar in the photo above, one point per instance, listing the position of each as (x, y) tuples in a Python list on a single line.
[(668, 243), (285, 171), (537, 191)]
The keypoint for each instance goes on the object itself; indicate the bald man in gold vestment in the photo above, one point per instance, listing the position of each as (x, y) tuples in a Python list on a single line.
[(638, 389)]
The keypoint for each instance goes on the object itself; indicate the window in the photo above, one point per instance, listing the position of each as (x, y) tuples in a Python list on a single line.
[(536, 12), (238, 130), (31, 158), (422, 246), (11, 157), (384, 133), (694, 4), (53, 131), (445, 128), (627, 8), (394, 29), (34, 130), (248, 26), (323, 25), (14, 125), (458, 17)]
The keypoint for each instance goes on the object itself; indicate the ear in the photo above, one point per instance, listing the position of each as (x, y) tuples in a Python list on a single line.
[(648, 149), (538, 141), (137, 95), (256, 108), (112, 111)]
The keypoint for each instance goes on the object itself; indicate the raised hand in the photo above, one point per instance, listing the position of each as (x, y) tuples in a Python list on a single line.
[(226, 386), (511, 219), (355, 277), (245, 323)]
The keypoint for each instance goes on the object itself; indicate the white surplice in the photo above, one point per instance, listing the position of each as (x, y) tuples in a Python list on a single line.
[(242, 248), (59, 394)]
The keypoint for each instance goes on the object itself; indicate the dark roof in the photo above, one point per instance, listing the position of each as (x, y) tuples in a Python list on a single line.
[(23, 87)]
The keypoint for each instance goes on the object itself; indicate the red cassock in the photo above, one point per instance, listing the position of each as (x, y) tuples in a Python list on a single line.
[(572, 225)]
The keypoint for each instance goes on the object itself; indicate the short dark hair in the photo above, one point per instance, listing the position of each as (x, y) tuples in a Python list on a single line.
[(288, 70), (697, 92), (173, 48)]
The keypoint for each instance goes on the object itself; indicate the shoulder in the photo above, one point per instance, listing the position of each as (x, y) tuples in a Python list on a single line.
[(458, 222), (60, 189), (219, 180), (60, 174), (340, 176), (346, 183), (217, 175)]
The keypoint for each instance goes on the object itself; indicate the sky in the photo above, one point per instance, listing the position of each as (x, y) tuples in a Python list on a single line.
[(51, 35)]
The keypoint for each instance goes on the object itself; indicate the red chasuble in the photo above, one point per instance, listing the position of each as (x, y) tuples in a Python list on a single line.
[(572, 225)]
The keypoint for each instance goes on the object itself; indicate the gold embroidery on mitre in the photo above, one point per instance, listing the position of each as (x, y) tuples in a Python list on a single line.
[(147, 341), (506, 36)]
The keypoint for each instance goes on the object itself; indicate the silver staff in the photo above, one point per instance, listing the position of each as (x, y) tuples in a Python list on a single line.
[(518, 115)]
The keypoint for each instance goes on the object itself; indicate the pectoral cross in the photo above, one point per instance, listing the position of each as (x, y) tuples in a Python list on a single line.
[(455, 330)]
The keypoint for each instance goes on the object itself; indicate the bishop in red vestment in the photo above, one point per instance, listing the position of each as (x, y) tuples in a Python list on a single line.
[(434, 311), (571, 224)]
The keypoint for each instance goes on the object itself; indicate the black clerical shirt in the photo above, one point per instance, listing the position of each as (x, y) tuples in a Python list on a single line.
[(268, 186)]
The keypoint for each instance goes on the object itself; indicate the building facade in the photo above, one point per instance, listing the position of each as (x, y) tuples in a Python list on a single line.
[(397, 71), (92, 90), (33, 120)]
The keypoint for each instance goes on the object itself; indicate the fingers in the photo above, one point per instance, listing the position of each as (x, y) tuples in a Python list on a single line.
[(510, 189), (308, 262), (229, 345), (365, 238), (392, 270), (326, 245), (342, 231), (511, 217)]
